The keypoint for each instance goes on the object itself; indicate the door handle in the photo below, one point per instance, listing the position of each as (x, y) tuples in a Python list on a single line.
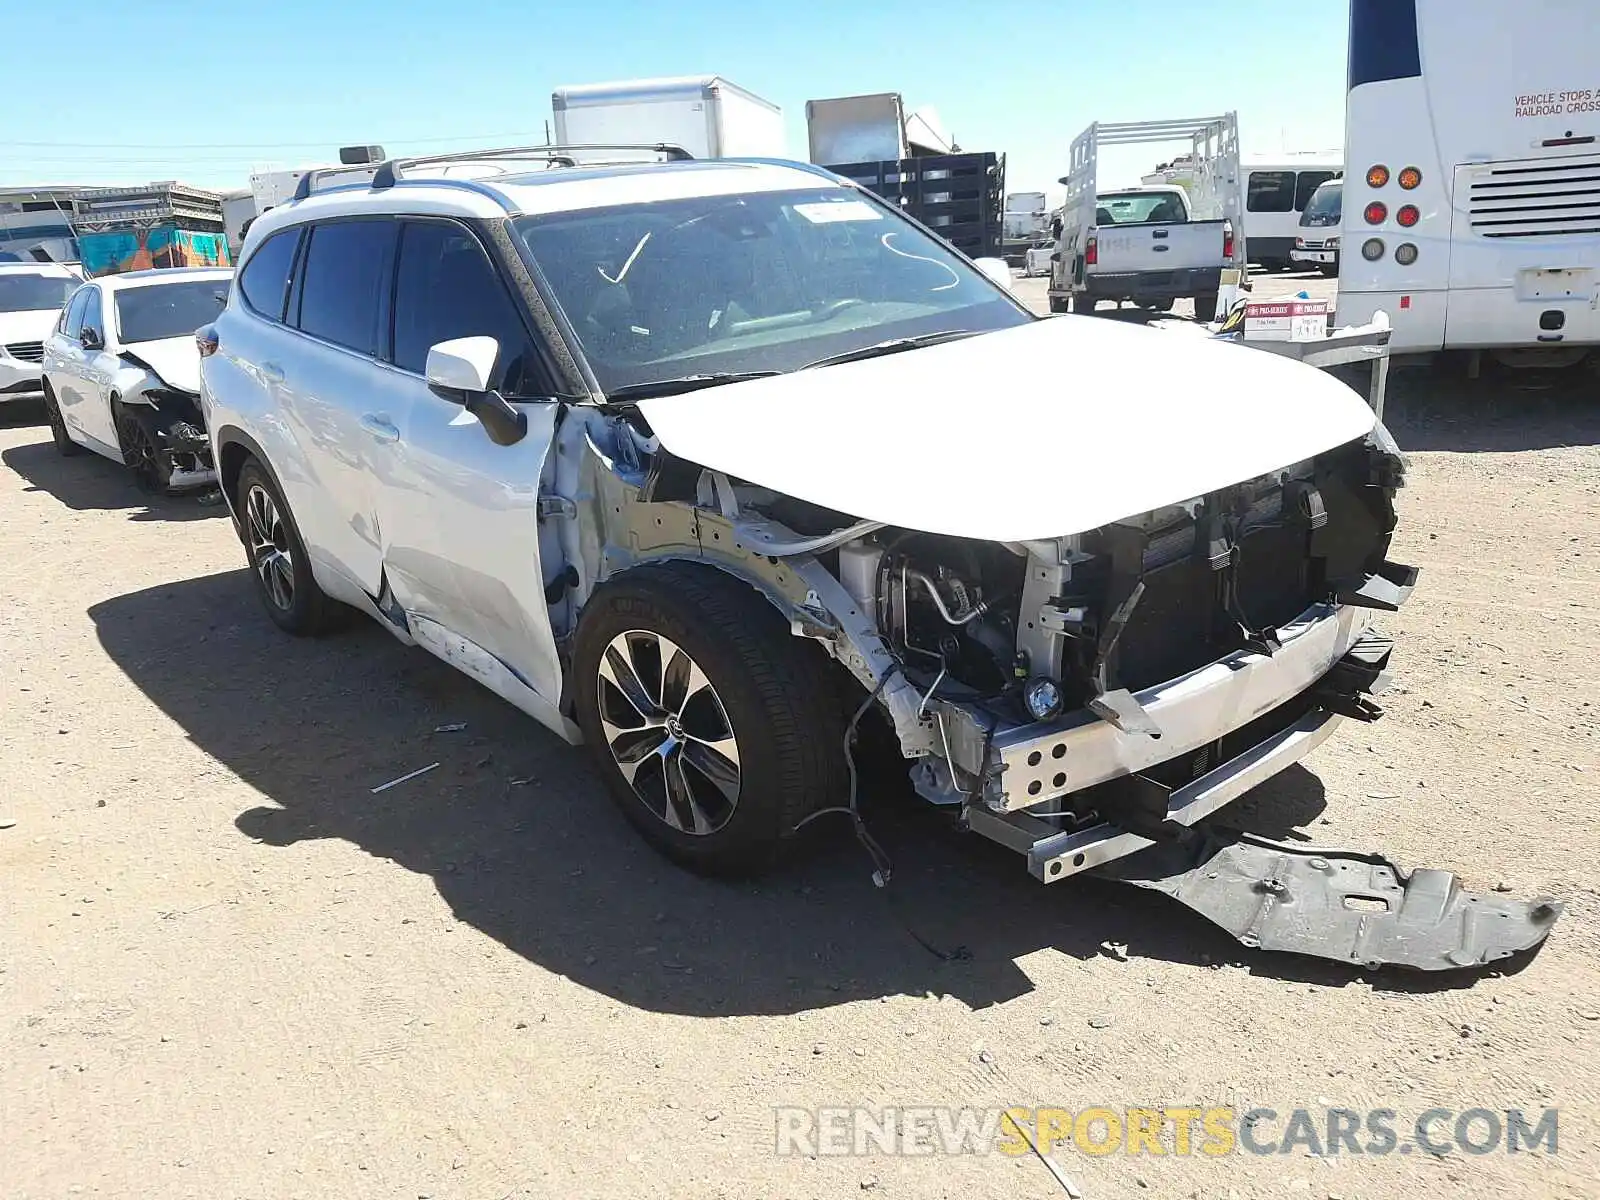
[(380, 427), (272, 372)]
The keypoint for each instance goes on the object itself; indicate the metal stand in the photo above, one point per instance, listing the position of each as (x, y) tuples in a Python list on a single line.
[(1344, 347)]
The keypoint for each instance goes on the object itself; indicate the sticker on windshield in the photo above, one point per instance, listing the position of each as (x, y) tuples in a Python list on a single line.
[(838, 210)]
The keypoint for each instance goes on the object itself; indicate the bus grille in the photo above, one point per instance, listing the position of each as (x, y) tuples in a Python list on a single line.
[(1534, 198)]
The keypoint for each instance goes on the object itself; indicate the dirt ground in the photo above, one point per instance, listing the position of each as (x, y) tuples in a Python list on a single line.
[(230, 970)]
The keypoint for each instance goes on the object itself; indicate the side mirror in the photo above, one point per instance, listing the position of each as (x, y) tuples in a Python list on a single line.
[(996, 269), (90, 339), (459, 370)]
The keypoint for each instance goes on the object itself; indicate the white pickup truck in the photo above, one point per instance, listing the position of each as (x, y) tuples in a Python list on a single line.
[(1150, 245)]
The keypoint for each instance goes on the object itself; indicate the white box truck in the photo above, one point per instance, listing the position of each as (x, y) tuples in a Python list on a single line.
[(705, 114)]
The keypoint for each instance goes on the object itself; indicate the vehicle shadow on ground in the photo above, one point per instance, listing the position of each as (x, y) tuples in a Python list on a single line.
[(522, 843), (88, 481), (1438, 408)]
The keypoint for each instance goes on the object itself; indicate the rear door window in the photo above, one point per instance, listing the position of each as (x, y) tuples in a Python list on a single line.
[(264, 282), (343, 288), (1271, 192)]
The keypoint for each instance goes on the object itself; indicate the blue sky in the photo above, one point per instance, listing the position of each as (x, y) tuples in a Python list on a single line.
[(206, 92)]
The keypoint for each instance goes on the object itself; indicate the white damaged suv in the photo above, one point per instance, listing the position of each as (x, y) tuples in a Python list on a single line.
[(703, 464)]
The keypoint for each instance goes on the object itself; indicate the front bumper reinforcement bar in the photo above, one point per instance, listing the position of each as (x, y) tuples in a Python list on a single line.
[(1344, 905)]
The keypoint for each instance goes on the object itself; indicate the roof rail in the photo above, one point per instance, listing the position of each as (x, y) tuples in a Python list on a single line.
[(390, 170)]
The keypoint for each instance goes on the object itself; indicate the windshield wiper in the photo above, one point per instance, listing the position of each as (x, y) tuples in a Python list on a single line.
[(629, 392), (892, 346)]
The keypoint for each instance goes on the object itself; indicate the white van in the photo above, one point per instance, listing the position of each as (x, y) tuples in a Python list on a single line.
[(1276, 193)]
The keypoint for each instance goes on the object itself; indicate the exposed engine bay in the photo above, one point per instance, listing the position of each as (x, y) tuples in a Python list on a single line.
[(162, 429), (1087, 698)]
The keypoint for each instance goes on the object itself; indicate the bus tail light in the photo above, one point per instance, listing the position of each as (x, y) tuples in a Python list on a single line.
[(1372, 249), (1376, 213), (1410, 179), (1227, 239), (1377, 177), (1409, 215), (1405, 254)]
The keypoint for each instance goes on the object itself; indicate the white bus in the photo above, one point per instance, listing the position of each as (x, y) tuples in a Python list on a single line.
[(1472, 206)]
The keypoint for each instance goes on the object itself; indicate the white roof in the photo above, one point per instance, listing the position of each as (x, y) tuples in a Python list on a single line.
[(1293, 160), (59, 270), (563, 189), (579, 95), (157, 276)]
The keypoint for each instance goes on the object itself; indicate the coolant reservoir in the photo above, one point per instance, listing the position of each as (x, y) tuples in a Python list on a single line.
[(858, 571)]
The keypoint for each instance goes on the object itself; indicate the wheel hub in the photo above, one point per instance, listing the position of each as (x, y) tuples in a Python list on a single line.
[(668, 732), (269, 547)]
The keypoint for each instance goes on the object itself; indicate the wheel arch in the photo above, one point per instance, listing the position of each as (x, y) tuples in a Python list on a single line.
[(234, 448)]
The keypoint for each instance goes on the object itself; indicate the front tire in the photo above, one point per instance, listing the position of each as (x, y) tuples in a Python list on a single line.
[(717, 731), (64, 444), (278, 560), (141, 455)]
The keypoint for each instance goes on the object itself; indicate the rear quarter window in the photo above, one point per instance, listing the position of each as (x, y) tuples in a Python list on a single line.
[(264, 282), (1271, 192)]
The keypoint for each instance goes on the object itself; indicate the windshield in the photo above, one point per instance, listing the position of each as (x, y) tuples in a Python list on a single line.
[(764, 281), (1324, 207), (21, 292), (1139, 208), (168, 310)]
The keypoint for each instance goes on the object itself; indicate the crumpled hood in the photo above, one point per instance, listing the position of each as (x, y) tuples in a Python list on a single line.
[(1044, 430), (32, 326), (176, 360)]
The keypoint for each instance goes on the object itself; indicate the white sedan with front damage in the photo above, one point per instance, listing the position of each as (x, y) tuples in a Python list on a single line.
[(122, 373), (708, 464)]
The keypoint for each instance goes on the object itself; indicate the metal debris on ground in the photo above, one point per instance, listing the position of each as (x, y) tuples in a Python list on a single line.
[(1074, 1192), (453, 727), (384, 787)]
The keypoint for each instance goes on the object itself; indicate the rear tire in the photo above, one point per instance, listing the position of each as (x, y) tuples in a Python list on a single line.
[(1059, 304), (64, 444), (1084, 305), (278, 561), (1205, 307), (1161, 306), (730, 733)]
